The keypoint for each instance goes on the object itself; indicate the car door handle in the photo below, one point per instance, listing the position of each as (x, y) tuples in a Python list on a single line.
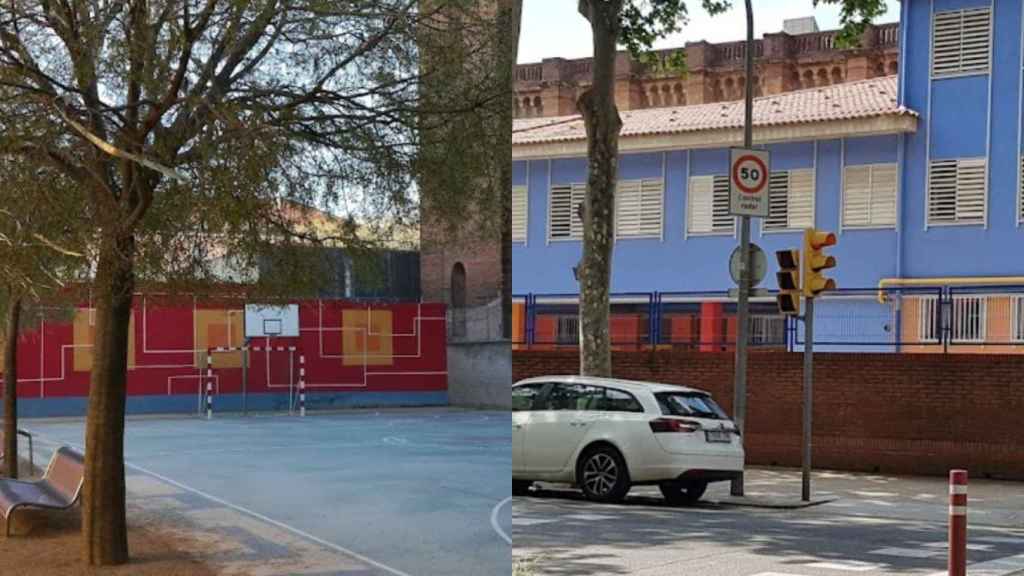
[(579, 423), (517, 426)]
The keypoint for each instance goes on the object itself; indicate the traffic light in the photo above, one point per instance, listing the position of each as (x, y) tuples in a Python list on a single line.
[(815, 260), (789, 281)]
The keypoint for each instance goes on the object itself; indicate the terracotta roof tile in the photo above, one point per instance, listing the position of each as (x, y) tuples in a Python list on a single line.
[(851, 100)]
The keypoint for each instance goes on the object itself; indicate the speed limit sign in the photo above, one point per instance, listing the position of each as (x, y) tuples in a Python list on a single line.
[(748, 182)]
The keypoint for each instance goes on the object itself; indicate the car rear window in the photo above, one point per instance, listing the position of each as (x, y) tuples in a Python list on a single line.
[(689, 404)]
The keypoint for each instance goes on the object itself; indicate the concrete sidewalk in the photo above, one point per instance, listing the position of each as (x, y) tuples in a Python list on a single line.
[(990, 502)]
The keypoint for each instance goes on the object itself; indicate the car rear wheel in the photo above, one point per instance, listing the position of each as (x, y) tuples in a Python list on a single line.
[(521, 487), (683, 493), (602, 475)]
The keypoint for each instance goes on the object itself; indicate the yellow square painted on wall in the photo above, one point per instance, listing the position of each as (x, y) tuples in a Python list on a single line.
[(366, 337), (84, 338), (219, 329)]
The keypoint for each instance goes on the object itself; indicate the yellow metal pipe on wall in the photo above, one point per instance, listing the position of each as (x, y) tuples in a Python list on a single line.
[(949, 281)]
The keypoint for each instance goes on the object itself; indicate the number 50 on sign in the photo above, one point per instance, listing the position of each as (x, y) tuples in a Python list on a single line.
[(748, 182)]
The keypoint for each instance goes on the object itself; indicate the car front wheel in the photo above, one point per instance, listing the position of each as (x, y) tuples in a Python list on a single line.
[(683, 493), (602, 474)]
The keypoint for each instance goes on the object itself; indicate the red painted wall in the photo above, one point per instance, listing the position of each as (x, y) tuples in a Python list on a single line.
[(411, 357)]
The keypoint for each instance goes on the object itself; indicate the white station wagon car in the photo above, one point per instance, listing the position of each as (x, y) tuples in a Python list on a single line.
[(607, 435)]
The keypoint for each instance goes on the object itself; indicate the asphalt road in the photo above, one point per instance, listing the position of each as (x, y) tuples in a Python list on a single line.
[(557, 533)]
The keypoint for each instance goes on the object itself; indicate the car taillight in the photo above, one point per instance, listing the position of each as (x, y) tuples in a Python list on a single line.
[(660, 425)]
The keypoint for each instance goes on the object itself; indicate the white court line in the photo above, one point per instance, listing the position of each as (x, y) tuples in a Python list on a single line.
[(846, 565), (494, 520), (253, 514)]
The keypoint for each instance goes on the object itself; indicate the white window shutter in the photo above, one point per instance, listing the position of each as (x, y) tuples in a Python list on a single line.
[(942, 192), (972, 177), (700, 205), (778, 202), (520, 211), (652, 197), (627, 208), (869, 196), (801, 199), (638, 208), (946, 40), (857, 197), (563, 219), (723, 220), (976, 44), (884, 184), (961, 41)]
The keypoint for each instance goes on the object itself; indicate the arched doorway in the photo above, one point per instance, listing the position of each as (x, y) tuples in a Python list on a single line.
[(458, 300)]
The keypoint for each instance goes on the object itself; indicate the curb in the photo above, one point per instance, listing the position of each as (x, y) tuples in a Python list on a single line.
[(743, 502)]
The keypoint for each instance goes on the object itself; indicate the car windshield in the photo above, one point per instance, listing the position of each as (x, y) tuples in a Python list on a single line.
[(690, 404)]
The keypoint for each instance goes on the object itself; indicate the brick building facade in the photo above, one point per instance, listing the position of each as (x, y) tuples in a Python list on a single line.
[(785, 61), (466, 272)]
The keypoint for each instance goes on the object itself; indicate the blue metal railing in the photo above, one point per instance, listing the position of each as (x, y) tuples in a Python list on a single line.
[(892, 319)]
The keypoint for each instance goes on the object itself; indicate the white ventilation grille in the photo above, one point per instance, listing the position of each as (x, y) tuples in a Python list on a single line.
[(563, 221), (638, 208), (708, 206), (1020, 192), (957, 191), (790, 200), (869, 196), (968, 321), (928, 319), (961, 41), (1017, 310), (520, 213)]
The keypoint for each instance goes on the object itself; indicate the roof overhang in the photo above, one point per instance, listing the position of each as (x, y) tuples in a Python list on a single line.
[(726, 137)]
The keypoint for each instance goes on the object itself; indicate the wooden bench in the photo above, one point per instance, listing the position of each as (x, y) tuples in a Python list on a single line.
[(58, 490)]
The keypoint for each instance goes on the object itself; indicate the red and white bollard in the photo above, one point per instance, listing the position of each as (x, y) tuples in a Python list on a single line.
[(958, 523), (302, 385)]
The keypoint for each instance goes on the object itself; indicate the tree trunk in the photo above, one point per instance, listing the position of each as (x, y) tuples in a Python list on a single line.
[(10, 446), (508, 21), (104, 526), (603, 124)]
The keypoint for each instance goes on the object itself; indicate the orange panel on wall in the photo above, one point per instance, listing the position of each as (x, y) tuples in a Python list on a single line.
[(625, 328), (219, 329), (84, 339), (366, 337)]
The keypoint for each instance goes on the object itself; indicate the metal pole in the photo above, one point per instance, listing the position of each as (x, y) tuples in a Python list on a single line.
[(808, 396), (743, 304), (245, 377)]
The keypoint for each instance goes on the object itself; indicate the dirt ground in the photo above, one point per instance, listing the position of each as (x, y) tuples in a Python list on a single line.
[(49, 544)]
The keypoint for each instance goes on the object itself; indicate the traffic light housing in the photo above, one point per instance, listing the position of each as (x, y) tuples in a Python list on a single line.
[(816, 261), (788, 277)]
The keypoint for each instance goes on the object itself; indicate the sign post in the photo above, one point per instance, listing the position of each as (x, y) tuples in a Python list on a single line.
[(743, 302)]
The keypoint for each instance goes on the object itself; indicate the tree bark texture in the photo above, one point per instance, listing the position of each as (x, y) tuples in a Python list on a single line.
[(10, 446), (104, 526), (508, 28), (603, 124)]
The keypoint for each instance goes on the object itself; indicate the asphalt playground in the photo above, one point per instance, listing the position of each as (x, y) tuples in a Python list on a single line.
[(391, 492)]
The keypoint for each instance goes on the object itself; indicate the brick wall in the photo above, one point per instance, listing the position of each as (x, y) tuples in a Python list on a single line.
[(906, 414), (480, 257)]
